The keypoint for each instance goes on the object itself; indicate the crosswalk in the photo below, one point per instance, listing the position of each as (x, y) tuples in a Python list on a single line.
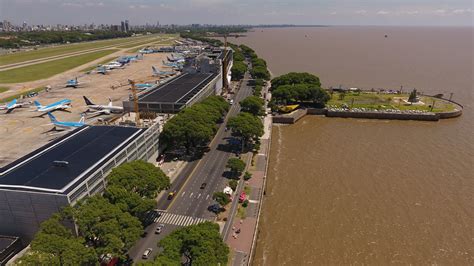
[(176, 219)]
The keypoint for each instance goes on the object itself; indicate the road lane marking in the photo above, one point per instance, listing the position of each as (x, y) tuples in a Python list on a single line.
[(191, 194), (199, 195), (182, 195), (207, 196)]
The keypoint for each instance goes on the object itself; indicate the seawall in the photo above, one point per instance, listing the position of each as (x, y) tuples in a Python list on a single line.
[(293, 117)]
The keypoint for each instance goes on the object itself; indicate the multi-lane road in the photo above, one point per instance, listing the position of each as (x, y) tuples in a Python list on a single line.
[(189, 205)]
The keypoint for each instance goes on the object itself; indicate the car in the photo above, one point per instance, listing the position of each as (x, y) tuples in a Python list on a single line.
[(147, 253), (203, 185), (215, 208), (231, 102), (159, 228), (171, 195)]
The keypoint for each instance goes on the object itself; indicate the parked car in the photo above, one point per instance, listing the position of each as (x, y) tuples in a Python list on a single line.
[(171, 195), (147, 253), (203, 185)]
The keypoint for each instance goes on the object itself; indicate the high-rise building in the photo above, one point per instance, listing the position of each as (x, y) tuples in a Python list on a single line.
[(122, 26), (126, 26)]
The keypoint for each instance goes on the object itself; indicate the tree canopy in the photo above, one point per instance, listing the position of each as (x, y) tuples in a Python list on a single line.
[(201, 244), (238, 70), (253, 105), (260, 72), (104, 226), (194, 126), (246, 125), (236, 165), (299, 93), (54, 244), (221, 198), (140, 177), (293, 78)]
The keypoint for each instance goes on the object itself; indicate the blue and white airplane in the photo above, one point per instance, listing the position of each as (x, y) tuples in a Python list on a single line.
[(13, 105), (66, 125), (160, 73), (173, 65), (59, 105)]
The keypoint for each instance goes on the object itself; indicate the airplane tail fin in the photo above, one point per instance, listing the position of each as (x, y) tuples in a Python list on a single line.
[(13, 102), (37, 104), (154, 69), (88, 102), (83, 118), (52, 118), (110, 102)]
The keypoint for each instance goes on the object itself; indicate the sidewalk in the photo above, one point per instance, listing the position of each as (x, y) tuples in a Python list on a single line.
[(242, 243)]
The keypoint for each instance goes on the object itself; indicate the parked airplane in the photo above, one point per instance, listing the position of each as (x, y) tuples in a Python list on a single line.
[(13, 105), (160, 73), (73, 83), (103, 109), (59, 125), (175, 60), (101, 70), (173, 65), (113, 65), (59, 105), (144, 86)]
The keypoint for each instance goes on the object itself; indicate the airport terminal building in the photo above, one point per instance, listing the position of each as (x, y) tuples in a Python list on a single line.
[(65, 171)]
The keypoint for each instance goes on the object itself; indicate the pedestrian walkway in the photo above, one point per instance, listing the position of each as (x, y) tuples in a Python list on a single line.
[(180, 220)]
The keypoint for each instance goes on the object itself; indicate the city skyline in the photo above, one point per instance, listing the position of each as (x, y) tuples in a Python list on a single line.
[(300, 12)]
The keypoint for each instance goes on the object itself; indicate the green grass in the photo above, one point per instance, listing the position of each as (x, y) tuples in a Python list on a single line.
[(106, 60), (51, 68), (4, 89), (130, 45), (388, 101), (18, 95), (241, 213), (62, 49)]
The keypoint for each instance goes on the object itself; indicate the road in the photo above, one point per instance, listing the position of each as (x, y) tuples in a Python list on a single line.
[(190, 204)]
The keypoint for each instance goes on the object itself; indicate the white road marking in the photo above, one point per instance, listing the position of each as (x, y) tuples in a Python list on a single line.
[(191, 194), (199, 195), (207, 196), (182, 195)]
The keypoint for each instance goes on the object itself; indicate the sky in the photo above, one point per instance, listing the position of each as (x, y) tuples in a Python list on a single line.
[(306, 12)]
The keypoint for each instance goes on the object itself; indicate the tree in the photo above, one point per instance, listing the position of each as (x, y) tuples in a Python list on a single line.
[(260, 72), (104, 226), (201, 244), (247, 126), (295, 78), (140, 177), (194, 126), (236, 166), (238, 70), (253, 105), (129, 201), (247, 176), (413, 96), (221, 198), (300, 93), (233, 184), (55, 244)]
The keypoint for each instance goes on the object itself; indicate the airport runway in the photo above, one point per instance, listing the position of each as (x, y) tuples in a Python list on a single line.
[(191, 202)]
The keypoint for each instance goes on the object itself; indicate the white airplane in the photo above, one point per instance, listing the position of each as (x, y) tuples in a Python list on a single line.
[(58, 125), (113, 65), (59, 105), (103, 109), (160, 73), (13, 105)]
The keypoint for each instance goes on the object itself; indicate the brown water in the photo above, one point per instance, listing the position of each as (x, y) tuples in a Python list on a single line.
[(349, 191)]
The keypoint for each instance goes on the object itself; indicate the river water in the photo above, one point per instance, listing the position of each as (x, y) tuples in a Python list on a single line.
[(376, 192)]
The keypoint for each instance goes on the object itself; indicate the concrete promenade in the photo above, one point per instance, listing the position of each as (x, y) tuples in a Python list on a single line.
[(242, 244)]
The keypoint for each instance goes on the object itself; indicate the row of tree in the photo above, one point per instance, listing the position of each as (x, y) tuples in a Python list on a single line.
[(194, 126), (107, 225), (239, 67), (297, 88), (19, 39), (259, 66)]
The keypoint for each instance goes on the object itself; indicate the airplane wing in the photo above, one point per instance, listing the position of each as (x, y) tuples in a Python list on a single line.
[(10, 110)]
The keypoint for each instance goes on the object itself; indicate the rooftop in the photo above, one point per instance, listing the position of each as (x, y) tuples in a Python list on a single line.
[(178, 90), (83, 149)]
